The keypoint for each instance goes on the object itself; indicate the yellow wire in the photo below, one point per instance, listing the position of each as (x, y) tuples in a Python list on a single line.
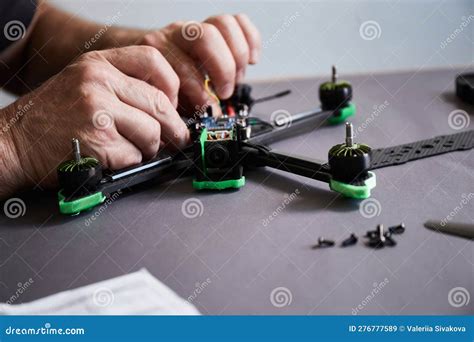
[(211, 92)]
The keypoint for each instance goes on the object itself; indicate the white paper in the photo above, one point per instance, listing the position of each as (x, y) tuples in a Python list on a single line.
[(138, 293)]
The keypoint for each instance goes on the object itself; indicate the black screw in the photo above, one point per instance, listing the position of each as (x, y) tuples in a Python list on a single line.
[(400, 229), (323, 243), (389, 241), (376, 238), (371, 234), (350, 241)]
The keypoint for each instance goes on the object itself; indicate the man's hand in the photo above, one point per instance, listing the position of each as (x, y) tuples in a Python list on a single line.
[(119, 103), (221, 46)]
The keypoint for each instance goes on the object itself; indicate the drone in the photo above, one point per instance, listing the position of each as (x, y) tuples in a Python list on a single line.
[(224, 147)]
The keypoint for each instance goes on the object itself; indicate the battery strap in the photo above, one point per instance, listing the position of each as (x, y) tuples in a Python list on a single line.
[(400, 154)]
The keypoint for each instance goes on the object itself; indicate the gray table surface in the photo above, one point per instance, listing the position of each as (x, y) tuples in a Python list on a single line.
[(243, 266)]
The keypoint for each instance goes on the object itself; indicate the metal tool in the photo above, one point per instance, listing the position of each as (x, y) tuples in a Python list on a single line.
[(454, 228)]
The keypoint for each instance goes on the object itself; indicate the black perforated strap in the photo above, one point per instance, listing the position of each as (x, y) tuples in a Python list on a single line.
[(401, 154)]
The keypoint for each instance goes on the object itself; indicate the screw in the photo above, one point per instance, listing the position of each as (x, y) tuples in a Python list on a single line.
[(76, 150), (389, 241), (400, 229), (334, 75), (377, 237), (380, 233), (371, 234), (323, 243), (349, 134), (351, 240)]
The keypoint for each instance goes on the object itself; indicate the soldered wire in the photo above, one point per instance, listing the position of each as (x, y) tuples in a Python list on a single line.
[(209, 90)]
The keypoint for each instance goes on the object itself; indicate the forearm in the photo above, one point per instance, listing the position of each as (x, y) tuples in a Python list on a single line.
[(56, 39)]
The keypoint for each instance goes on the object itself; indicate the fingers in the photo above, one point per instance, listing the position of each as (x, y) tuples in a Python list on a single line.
[(231, 30), (122, 154), (213, 54), (147, 64), (138, 128), (252, 36), (163, 121), (191, 79)]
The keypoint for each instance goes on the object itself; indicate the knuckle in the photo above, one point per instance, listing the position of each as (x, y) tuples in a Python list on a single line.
[(210, 32), (124, 159), (133, 158), (89, 101), (149, 39), (242, 16), (158, 101), (150, 53), (88, 56), (90, 72), (175, 26), (225, 19)]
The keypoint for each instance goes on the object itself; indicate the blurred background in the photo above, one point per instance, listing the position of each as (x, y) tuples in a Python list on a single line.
[(304, 38)]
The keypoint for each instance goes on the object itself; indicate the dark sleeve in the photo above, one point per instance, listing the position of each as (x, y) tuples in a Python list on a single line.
[(15, 17)]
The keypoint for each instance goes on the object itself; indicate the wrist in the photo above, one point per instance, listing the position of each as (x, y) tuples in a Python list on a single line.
[(116, 37)]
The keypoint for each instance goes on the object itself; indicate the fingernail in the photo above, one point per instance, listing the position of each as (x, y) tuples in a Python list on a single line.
[(227, 90)]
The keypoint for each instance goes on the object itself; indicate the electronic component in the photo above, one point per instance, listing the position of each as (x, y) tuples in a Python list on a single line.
[(336, 96), (216, 156)]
